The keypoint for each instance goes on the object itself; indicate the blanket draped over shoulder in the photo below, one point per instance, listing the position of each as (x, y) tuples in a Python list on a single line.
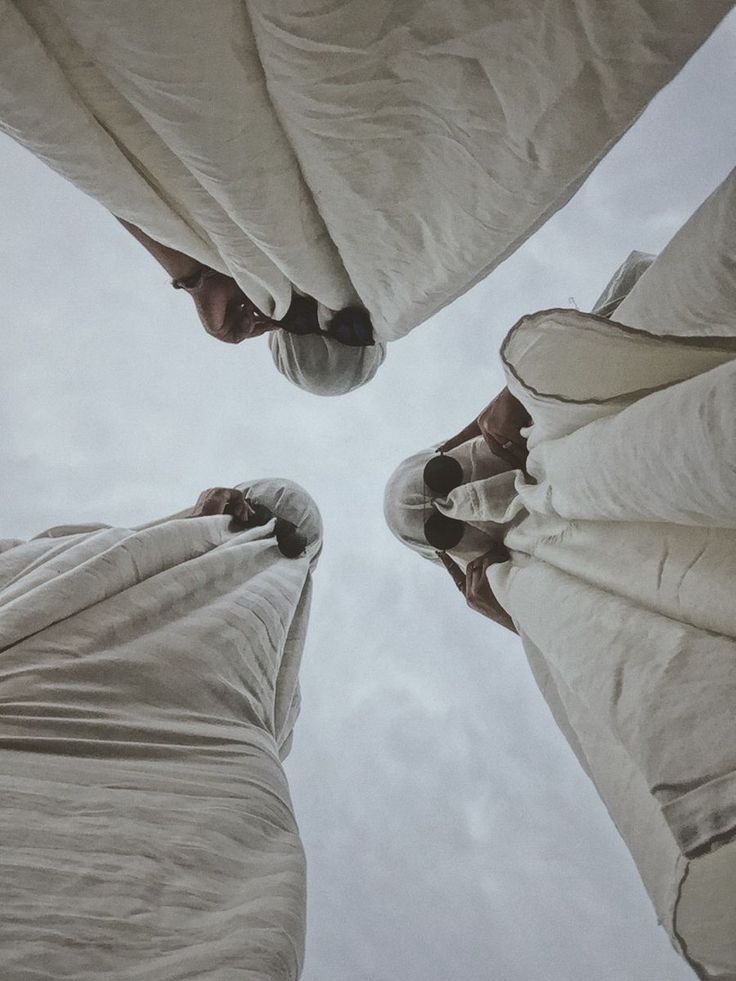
[(623, 563), (388, 154), (148, 692)]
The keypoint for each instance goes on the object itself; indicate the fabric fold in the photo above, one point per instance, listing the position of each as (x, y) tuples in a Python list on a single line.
[(148, 694), (390, 158)]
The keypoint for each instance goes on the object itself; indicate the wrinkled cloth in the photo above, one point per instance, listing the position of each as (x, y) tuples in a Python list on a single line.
[(390, 155), (622, 282), (148, 693), (624, 562), (320, 366), (488, 481)]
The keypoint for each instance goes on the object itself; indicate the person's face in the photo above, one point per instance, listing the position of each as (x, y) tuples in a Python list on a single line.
[(226, 312)]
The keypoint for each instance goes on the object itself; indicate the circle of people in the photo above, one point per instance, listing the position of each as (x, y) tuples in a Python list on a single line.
[(149, 675)]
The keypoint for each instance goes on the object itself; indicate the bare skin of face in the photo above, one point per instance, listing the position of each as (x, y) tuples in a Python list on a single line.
[(224, 310)]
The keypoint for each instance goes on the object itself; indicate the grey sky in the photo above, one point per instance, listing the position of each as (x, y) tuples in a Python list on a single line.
[(449, 831)]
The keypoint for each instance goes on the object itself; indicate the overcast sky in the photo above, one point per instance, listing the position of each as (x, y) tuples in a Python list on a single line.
[(450, 833)]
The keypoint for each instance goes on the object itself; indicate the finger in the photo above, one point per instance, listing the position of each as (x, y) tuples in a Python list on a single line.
[(237, 506), (499, 553), (197, 509), (241, 509), (216, 501), (453, 568), (234, 503), (469, 432), (516, 449), (471, 587), (247, 511), (510, 436), (499, 450), (475, 577), (208, 502), (514, 454)]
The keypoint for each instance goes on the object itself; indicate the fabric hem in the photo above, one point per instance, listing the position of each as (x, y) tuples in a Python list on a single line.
[(728, 343)]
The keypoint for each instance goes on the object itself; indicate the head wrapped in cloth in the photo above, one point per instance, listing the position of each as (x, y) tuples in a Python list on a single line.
[(288, 502), (322, 365), (408, 503)]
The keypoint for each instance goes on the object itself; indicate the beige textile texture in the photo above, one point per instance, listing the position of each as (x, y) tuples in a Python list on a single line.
[(624, 563), (382, 152), (148, 692), (321, 366)]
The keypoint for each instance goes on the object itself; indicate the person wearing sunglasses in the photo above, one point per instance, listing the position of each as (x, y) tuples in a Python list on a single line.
[(621, 539), (428, 507), (148, 695)]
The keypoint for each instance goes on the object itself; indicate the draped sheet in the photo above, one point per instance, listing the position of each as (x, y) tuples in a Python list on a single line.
[(391, 153), (623, 568), (148, 692), (623, 558)]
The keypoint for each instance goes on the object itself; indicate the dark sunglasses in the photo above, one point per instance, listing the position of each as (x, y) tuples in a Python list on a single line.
[(290, 543), (441, 475), (351, 326)]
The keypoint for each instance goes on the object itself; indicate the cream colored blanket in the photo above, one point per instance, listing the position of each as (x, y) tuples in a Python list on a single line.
[(148, 692), (392, 153), (624, 566)]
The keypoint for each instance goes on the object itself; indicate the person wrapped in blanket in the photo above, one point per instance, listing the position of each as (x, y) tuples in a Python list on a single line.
[(593, 510), (149, 687)]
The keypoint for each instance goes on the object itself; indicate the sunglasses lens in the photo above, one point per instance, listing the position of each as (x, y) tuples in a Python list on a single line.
[(291, 544), (442, 532), (443, 474)]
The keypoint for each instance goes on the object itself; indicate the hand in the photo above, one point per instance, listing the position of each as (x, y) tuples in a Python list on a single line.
[(500, 425), (474, 585), (224, 310), (223, 500), (478, 593)]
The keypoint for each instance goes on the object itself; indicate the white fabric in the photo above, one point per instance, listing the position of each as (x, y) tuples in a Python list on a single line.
[(622, 282), (684, 292), (387, 153), (624, 562), (321, 366), (148, 691)]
